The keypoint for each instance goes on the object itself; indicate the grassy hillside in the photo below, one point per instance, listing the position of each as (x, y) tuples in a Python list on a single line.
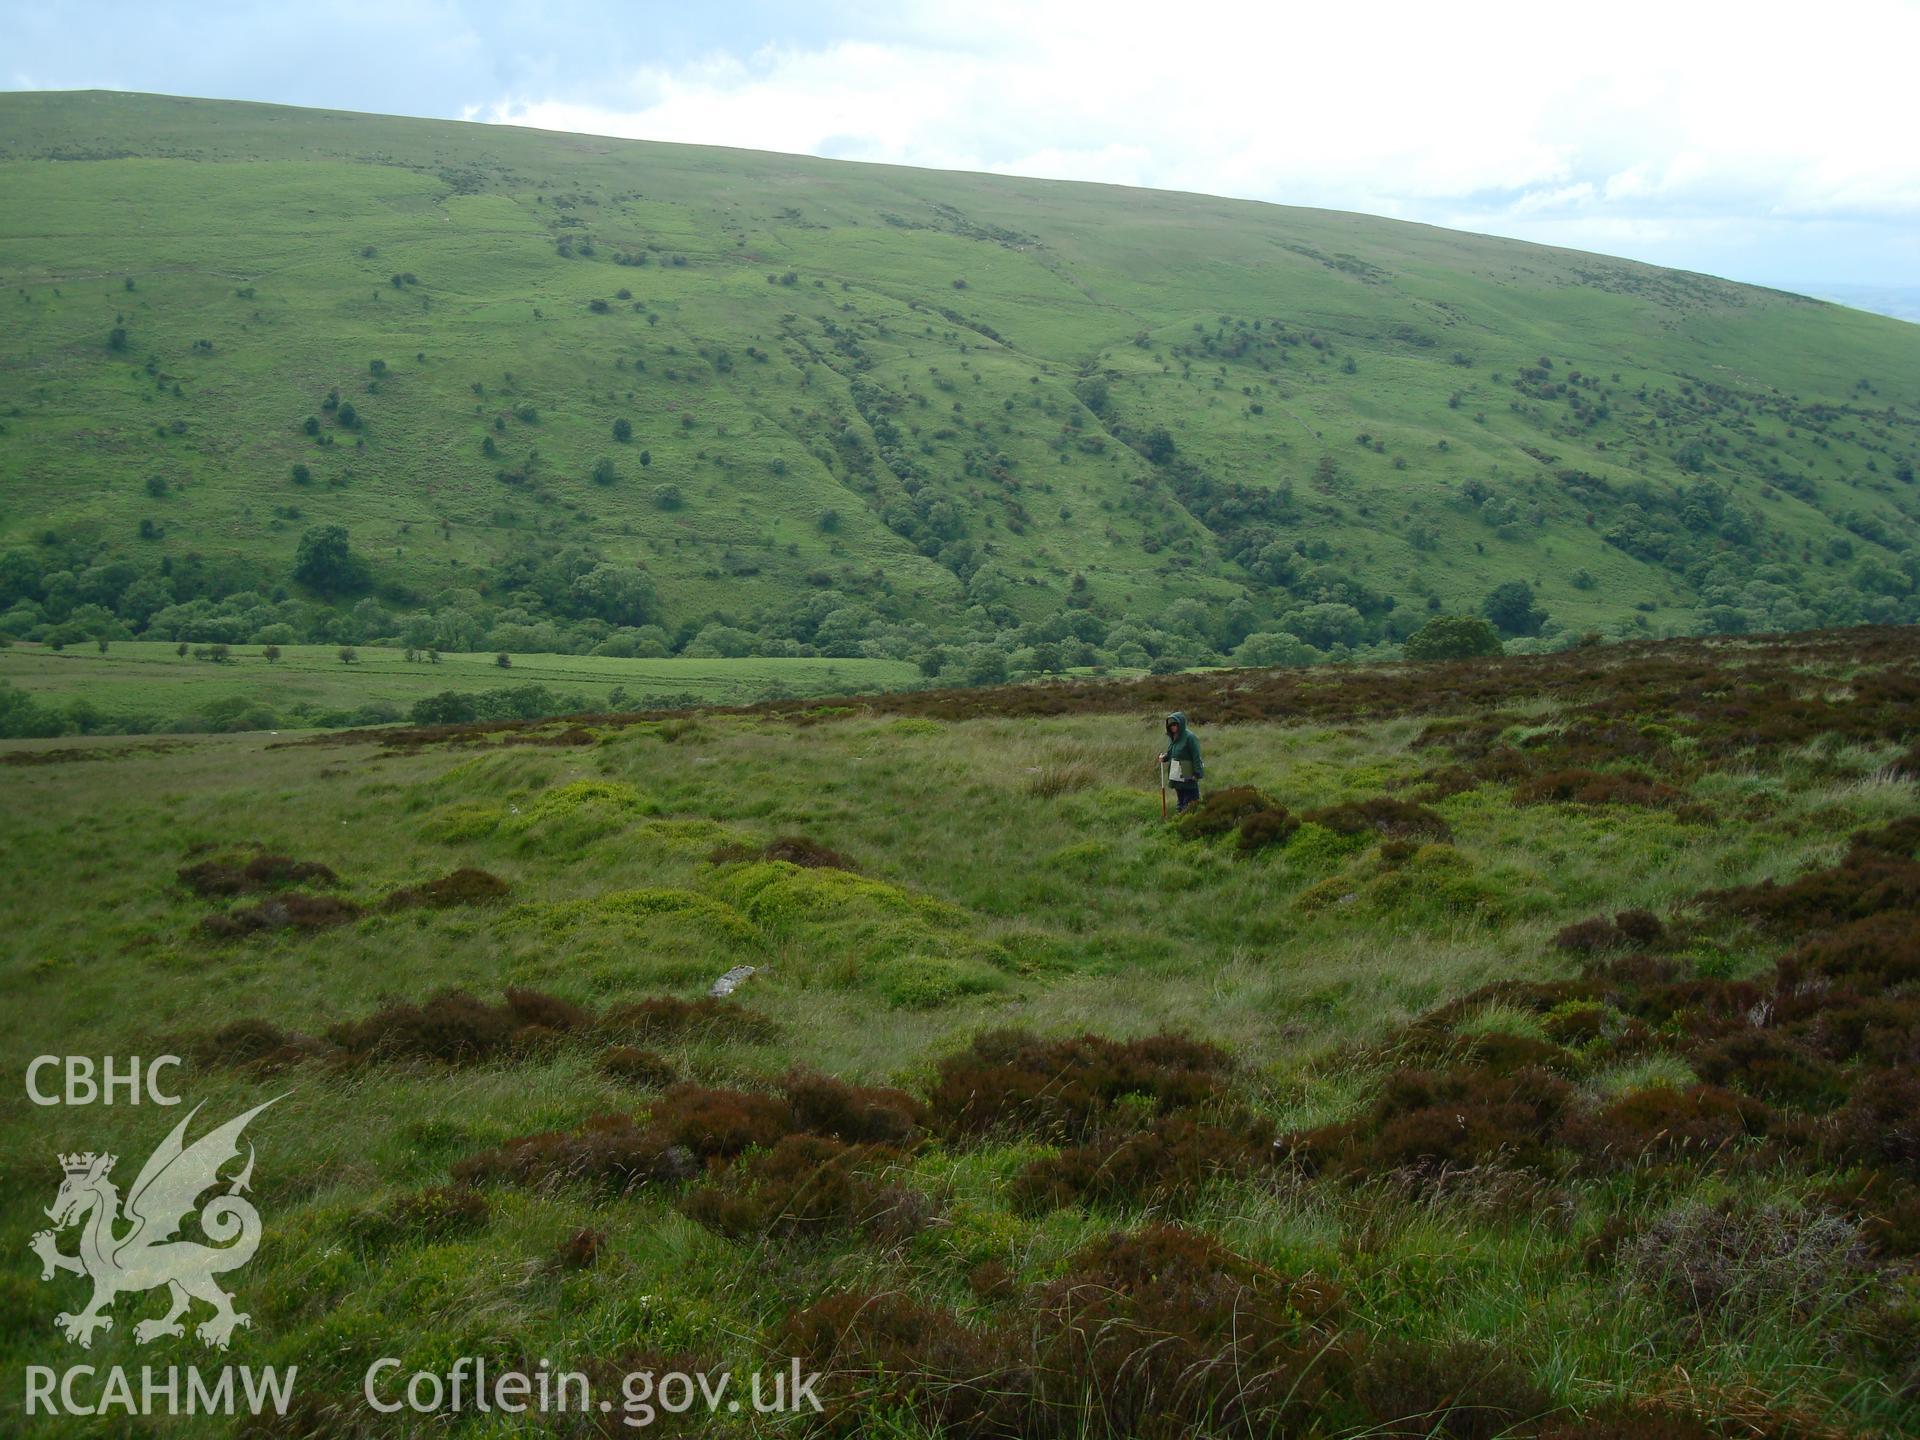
[(877, 411), (1586, 1128)]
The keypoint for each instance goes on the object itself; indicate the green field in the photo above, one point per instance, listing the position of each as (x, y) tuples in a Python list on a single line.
[(1656, 1178), (309, 684), (879, 412)]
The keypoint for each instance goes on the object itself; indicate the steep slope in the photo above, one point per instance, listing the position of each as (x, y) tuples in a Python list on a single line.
[(871, 410)]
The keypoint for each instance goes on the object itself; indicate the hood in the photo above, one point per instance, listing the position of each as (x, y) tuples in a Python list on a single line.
[(1178, 719)]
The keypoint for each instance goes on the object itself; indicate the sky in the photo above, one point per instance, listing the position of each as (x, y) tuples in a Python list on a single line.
[(1765, 142)]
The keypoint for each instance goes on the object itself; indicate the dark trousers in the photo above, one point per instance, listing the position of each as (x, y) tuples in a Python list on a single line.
[(1187, 792)]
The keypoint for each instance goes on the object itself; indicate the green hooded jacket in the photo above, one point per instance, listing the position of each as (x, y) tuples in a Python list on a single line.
[(1183, 747)]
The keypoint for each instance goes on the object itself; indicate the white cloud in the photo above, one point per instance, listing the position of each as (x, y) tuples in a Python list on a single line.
[(1634, 115)]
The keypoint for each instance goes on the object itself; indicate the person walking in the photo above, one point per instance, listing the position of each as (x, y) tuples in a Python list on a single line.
[(1182, 759)]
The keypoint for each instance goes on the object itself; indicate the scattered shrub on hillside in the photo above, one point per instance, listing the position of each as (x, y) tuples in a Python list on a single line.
[(1164, 1165), (1461, 1389), (220, 878), (799, 850), (1164, 1331), (1631, 973), (1265, 827), (539, 1010), (245, 1041), (1501, 1053), (1384, 816), (258, 1045), (1899, 838), (1628, 930), (1155, 1334), (581, 1250), (453, 1026), (1704, 1124), (717, 1123), (882, 1352), (665, 1018), (1066, 1090), (464, 886), (1880, 1122), (439, 1212), (1438, 1120), (300, 913), (857, 1114), (1595, 787), (458, 1028), (1443, 783), (809, 1185), (1886, 1208), (1874, 954), (1255, 819), (693, 1125), (1870, 878), (1579, 1022), (1772, 1067), (1219, 811), (611, 1152)]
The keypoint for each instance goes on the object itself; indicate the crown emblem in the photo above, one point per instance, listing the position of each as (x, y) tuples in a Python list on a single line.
[(81, 1164)]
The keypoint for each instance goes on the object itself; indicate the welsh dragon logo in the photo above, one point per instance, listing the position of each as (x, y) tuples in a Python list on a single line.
[(133, 1249)]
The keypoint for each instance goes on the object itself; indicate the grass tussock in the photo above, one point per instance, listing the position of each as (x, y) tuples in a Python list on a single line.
[(465, 886), (1060, 777), (630, 1065), (794, 849), (1743, 1260)]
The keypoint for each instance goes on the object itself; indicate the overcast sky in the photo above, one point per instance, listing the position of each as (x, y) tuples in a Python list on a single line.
[(1771, 143)]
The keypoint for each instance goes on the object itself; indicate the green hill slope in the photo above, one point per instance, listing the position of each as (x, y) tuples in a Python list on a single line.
[(876, 411)]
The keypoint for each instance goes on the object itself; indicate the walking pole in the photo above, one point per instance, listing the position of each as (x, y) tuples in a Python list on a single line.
[(1163, 788)]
